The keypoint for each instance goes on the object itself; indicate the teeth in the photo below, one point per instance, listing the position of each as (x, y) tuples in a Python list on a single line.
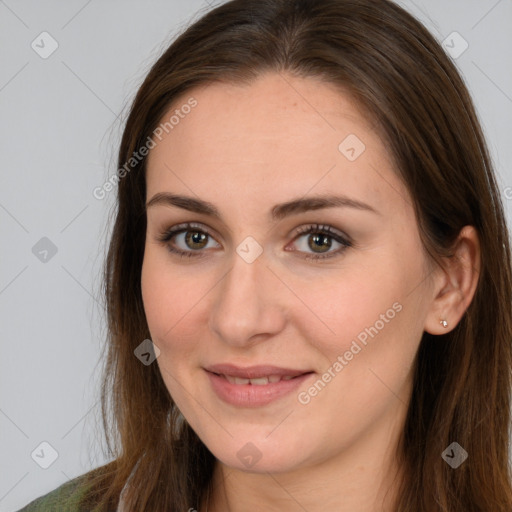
[(236, 380), (260, 381)]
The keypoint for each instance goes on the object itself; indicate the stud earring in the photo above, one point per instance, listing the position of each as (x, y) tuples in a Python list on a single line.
[(444, 323)]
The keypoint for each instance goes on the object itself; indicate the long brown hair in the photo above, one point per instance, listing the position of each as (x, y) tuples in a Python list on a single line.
[(394, 68)]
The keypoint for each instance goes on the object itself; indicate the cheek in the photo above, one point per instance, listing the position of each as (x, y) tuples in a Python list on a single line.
[(367, 362), (155, 297), (368, 315), (168, 306), (344, 306), (171, 304)]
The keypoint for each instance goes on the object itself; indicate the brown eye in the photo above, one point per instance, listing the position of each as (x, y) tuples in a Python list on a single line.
[(191, 238), (195, 238), (319, 239)]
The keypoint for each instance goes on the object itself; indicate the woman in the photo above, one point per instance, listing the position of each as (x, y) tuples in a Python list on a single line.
[(246, 368)]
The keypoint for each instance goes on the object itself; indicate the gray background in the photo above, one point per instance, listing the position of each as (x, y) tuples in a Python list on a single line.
[(60, 124)]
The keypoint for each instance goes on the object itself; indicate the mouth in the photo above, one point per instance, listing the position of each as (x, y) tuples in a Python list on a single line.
[(256, 385), (255, 374), (259, 381)]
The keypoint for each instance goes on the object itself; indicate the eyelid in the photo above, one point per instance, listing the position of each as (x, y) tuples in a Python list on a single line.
[(326, 228), (339, 236), (177, 229)]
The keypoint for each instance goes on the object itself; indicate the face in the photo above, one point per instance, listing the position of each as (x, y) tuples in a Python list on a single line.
[(329, 301)]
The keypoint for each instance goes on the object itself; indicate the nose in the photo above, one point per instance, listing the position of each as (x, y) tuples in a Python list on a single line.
[(249, 304)]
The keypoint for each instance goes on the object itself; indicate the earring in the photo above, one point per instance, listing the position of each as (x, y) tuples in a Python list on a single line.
[(444, 323)]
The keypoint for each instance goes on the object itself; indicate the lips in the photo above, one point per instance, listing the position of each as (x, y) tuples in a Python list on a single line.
[(254, 386), (260, 381), (255, 373)]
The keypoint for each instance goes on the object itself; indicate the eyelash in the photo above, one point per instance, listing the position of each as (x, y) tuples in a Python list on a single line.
[(167, 235)]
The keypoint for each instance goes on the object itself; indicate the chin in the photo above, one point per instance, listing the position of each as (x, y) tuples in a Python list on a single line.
[(260, 455)]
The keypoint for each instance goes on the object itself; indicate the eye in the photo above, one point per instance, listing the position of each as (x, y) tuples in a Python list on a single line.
[(320, 237), (194, 238)]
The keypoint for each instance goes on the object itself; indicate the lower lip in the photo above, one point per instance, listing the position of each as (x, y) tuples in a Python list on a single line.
[(251, 395)]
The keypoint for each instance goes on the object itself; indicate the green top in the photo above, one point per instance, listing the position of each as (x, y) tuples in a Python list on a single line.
[(62, 499)]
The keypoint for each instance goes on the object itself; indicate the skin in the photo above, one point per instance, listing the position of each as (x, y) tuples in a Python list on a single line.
[(245, 149)]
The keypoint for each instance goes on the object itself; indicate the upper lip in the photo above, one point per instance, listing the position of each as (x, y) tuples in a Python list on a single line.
[(253, 372)]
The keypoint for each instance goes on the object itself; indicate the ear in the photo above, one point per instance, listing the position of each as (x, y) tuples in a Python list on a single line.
[(455, 283)]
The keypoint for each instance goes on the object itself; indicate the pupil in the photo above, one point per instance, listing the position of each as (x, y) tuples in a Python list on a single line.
[(319, 240), (196, 237)]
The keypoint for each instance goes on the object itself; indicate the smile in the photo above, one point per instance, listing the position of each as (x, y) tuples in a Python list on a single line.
[(255, 386), (260, 381)]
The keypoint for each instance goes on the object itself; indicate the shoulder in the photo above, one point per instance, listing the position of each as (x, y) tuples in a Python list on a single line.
[(62, 499)]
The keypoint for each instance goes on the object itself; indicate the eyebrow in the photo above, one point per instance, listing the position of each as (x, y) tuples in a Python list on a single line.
[(278, 212)]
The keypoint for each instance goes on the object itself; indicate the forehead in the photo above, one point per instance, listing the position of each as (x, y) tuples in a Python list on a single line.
[(278, 134)]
